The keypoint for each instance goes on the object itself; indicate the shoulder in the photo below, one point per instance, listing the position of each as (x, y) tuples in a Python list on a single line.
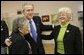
[(16, 37), (36, 17), (73, 26)]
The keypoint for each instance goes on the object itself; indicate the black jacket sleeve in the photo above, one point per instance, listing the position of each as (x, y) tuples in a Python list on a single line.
[(4, 32), (50, 36)]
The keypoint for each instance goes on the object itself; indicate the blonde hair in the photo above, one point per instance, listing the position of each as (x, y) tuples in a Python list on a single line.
[(65, 10)]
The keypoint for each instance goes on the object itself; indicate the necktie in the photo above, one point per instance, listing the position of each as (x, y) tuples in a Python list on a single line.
[(34, 34)]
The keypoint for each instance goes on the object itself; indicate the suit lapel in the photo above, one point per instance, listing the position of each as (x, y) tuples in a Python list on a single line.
[(67, 31), (35, 21)]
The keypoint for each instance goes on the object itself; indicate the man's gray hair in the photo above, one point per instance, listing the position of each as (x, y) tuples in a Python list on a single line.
[(18, 23), (26, 4)]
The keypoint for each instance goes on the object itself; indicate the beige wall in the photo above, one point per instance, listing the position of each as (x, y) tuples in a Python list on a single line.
[(9, 8)]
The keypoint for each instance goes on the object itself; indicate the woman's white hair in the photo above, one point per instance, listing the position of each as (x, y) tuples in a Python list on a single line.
[(18, 24), (65, 10)]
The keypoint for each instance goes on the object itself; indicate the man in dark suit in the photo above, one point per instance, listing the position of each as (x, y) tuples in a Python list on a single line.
[(4, 35), (36, 27)]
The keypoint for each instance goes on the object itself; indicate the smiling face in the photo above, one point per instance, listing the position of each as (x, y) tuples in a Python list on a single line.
[(28, 11), (63, 18), (64, 15)]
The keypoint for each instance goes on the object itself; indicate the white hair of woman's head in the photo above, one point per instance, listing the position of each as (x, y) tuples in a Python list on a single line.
[(66, 11)]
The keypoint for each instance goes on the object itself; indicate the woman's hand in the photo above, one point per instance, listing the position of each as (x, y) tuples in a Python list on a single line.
[(8, 42)]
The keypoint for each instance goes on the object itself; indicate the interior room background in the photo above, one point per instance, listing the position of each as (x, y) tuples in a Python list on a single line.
[(43, 8)]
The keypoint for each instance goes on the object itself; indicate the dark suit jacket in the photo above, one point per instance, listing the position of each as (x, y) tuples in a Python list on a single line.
[(37, 48), (4, 32), (19, 44), (72, 39)]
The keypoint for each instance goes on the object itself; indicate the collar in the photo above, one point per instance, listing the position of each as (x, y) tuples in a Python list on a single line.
[(65, 25)]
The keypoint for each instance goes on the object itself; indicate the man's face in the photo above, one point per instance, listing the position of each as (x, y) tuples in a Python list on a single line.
[(28, 11)]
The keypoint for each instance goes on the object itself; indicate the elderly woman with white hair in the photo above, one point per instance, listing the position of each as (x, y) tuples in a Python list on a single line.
[(67, 37), (19, 44)]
